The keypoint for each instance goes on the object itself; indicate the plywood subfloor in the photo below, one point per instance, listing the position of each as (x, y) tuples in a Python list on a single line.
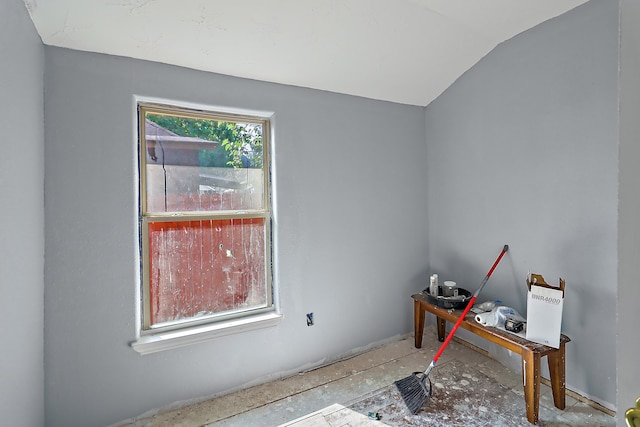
[(366, 376)]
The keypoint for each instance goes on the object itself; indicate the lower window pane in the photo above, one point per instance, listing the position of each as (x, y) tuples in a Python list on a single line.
[(203, 268)]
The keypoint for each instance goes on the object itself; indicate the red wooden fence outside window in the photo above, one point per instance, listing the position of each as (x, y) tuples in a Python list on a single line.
[(200, 268)]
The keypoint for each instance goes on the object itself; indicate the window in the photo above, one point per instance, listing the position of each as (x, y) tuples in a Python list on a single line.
[(204, 216)]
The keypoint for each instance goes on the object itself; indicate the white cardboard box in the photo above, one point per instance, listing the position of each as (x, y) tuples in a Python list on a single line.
[(544, 311)]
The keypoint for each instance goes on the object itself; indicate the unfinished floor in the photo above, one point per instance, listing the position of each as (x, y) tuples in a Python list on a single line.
[(362, 385)]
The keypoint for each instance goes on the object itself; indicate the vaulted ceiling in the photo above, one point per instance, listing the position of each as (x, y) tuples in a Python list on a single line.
[(406, 51)]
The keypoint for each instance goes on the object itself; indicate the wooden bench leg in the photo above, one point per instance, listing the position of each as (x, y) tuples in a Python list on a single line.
[(531, 382), (442, 324), (556, 361), (418, 319)]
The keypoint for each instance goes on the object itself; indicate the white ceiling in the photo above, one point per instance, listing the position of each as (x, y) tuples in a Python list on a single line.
[(406, 51)]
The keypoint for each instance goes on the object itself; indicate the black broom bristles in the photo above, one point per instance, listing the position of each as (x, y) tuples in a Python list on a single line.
[(414, 391)]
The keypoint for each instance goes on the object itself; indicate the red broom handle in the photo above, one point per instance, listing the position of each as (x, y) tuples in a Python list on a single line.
[(469, 305)]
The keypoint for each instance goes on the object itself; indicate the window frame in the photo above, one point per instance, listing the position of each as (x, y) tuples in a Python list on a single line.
[(154, 338)]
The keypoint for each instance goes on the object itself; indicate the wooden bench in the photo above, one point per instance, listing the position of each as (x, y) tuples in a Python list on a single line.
[(530, 352)]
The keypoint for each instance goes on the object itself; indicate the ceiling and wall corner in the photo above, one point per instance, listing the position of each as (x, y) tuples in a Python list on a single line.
[(404, 51)]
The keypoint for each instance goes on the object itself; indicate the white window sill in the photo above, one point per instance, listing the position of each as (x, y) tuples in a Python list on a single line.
[(160, 341)]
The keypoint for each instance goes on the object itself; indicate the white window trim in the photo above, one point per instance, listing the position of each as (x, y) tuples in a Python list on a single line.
[(166, 340), (153, 343)]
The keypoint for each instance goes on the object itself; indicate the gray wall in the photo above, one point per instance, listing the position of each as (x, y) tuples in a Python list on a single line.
[(21, 218), (351, 234), (629, 210), (523, 149)]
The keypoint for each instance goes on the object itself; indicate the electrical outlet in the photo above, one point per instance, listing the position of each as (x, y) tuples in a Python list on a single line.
[(309, 319)]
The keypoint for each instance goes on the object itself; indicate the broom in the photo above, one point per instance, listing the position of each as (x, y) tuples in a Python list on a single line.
[(413, 389)]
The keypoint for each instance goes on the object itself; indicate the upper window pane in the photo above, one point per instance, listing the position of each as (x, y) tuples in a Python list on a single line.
[(195, 164)]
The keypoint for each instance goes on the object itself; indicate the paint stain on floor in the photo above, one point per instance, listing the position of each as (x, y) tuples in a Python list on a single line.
[(463, 396)]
